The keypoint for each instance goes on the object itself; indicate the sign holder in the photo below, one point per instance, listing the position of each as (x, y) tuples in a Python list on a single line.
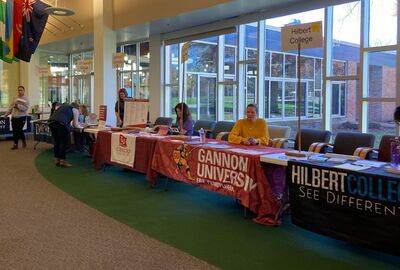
[(297, 36), (44, 71), (298, 153), (185, 56), (118, 61)]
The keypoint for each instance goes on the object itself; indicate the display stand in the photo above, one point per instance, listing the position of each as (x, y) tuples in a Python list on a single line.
[(298, 36), (136, 112)]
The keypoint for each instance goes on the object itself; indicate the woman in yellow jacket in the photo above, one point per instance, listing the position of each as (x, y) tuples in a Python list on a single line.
[(250, 131)]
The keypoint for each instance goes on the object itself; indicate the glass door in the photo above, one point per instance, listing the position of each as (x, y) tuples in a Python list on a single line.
[(208, 96), (81, 92)]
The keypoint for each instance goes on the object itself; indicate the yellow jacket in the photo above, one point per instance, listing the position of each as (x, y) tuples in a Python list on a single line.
[(244, 129)]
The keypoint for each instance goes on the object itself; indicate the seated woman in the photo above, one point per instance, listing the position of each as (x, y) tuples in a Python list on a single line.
[(396, 115), (184, 119), (250, 131)]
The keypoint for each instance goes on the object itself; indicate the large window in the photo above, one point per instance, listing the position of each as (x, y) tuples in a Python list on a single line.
[(82, 82), (56, 86), (338, 93), (134, 76), (9, 82)]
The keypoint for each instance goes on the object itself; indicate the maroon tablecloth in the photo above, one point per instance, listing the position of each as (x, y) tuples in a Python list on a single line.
[(233, 171), (144, 152)]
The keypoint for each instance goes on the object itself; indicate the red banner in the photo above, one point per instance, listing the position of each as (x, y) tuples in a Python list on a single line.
[(231, 170)]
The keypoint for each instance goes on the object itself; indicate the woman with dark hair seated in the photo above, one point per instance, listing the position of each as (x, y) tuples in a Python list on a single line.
[(184, 119), (396, 115), (250, 131)]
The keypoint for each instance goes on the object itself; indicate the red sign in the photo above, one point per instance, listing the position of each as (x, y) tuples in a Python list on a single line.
[(103, 113), (233, 171)]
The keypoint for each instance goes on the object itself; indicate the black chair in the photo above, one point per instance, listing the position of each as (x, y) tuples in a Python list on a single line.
[(207, 125), (165, 121), (384, 151), (310, 136), (347, 142), (221, 130)]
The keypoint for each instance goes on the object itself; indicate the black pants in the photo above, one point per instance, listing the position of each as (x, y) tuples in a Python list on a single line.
[(17, 124), (60, 135)]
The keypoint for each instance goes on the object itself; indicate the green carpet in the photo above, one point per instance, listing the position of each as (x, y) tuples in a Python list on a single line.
[(207, 225)]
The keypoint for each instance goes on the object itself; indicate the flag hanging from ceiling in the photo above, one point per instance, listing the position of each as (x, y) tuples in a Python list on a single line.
[(9, 52), (2, 28), (17, 25), (33, 22)]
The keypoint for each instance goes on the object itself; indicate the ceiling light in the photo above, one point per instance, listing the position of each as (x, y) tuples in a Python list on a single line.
[(57, 11)]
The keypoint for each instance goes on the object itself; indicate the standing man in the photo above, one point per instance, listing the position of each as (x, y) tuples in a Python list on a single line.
[(60, 122), (18, 110)]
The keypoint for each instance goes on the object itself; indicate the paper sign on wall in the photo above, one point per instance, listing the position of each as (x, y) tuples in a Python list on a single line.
[(309, 35)]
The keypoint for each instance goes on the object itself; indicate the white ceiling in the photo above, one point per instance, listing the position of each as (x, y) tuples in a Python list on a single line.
[(234, 10)]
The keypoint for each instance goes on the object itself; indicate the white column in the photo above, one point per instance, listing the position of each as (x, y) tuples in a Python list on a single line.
[(105, 80), (156, 80), (29, 79)]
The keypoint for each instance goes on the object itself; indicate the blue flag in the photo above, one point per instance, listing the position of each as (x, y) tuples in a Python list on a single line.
[(33, 22)]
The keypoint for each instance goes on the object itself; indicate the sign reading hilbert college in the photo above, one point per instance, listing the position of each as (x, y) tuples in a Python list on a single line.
[(361, 207), (308, 35)]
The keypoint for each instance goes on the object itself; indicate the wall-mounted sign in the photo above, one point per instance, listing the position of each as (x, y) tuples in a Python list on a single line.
[(308, 35), (118, 60)]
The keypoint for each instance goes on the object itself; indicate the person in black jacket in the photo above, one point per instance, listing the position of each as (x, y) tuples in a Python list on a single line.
[(60, 122), (119, 112)]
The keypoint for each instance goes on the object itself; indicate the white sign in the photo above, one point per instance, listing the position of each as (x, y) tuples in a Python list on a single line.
[(123, 149), (308, 35), (43, 70), (185, 52), (118, 60), (135, 112), (84, 66)]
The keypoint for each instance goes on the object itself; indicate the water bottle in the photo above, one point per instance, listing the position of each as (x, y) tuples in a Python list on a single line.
[(202, 135), (395, 153)]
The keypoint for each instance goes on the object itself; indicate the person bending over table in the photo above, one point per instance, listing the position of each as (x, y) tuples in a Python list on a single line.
[(60, 122), (250, 131), (186, 125), (122, 95), (54, 107)]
